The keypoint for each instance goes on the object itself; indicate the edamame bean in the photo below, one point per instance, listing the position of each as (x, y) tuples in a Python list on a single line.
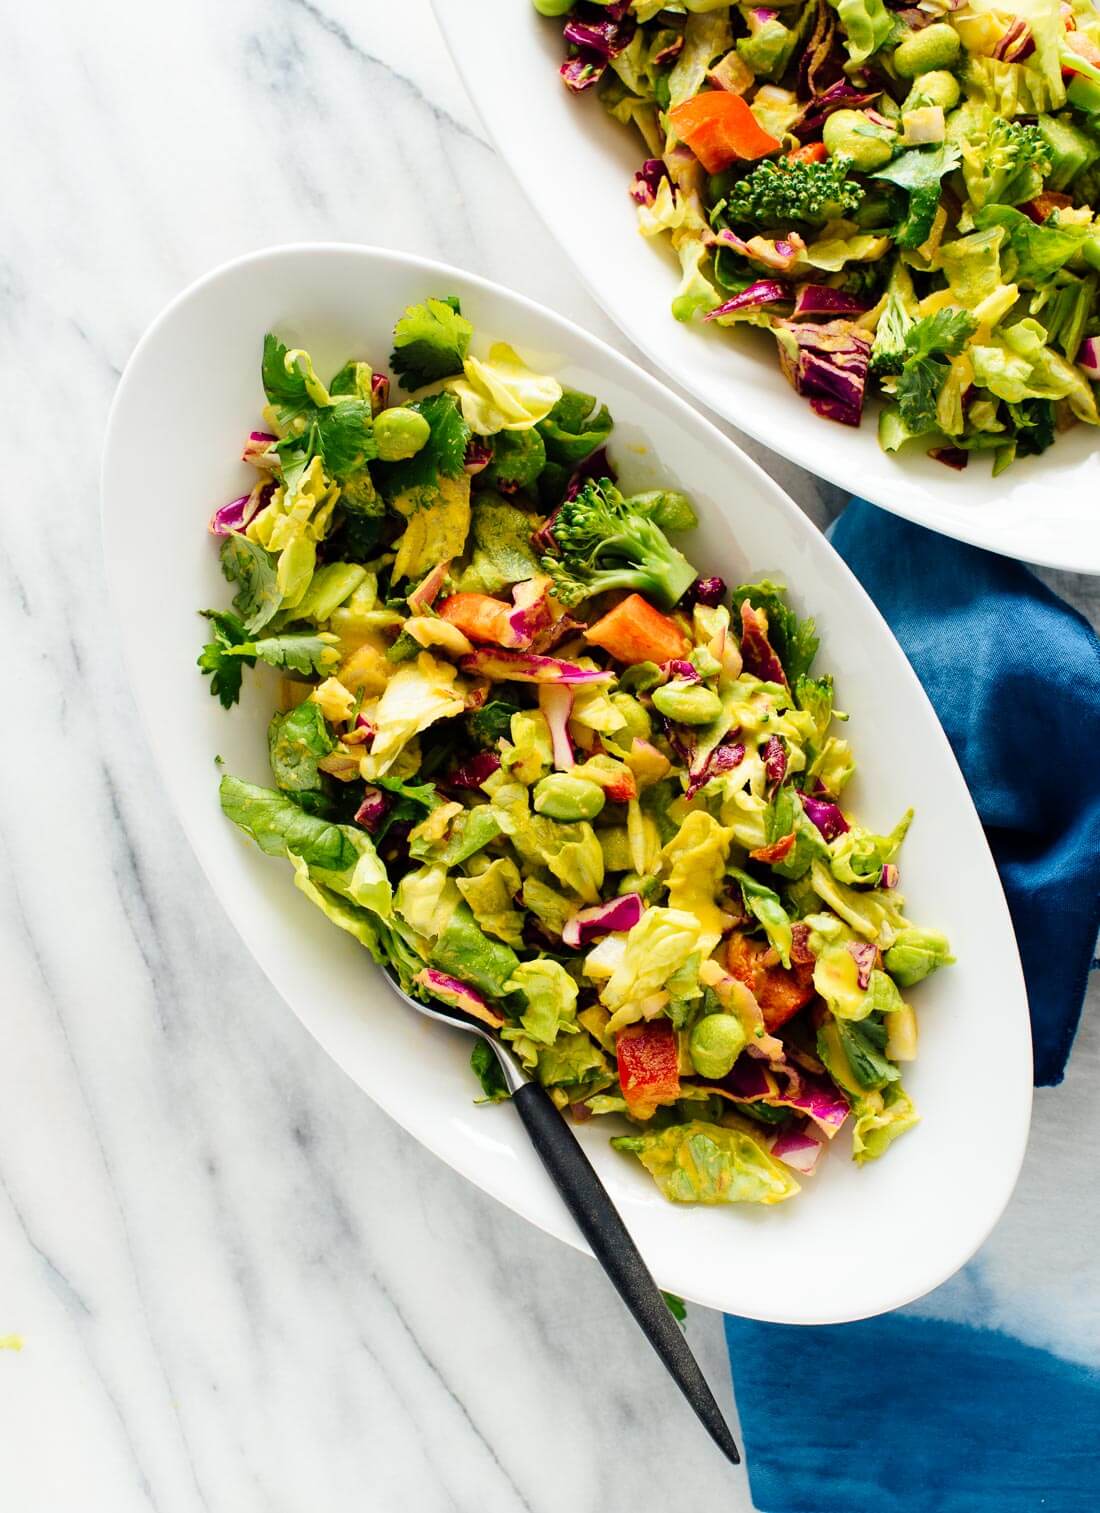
[(935, 46), (935, 88), (869, 145), (687, 703), (561, 797), (715, 1043), (638, 726), (553, 7), (400, 433), (634, 882)]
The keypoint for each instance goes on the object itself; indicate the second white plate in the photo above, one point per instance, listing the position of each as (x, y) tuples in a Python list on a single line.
[(575, 165)]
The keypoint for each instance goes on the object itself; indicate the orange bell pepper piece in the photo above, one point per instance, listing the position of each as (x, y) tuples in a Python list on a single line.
[(636, 632), (478, 616), (720, 128), (813, 152), (649, 1066)]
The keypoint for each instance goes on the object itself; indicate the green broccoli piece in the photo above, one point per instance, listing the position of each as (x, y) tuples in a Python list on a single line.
[(888, 352), (775, 194), (1014, 160), (607, 542)]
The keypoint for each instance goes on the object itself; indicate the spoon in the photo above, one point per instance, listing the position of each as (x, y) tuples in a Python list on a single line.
[(598, 1220)]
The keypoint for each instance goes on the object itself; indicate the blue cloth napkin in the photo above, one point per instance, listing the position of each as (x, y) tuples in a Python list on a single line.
[(908, 1413)]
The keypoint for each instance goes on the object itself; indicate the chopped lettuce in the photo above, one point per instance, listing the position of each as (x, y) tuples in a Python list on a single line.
[(502, 393), (708, 1163)]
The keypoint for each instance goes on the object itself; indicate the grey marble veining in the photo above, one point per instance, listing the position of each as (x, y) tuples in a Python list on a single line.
[(240, 1288)]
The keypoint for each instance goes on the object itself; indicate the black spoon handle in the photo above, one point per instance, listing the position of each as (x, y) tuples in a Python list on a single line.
[(598, 1220)]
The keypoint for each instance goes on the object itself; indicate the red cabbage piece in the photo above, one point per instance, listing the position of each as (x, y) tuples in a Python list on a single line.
[(581, 72), (775, 760), (647, 181), (765, 291), (372, 811), (458, 995), (620, 914), (678, 668), (600, 30), (890, 876), (1088, 356), (1016, 44), (748, 1080), (827, 1107), (479, 454), (951, 457), (530, 615), (825, 814), (781, 255), (864, 953), (257, 450), (823, 299), (474, 771), (797, 1149), (379, 392), (757, 652), (706, 591), (702, 768), (838, 96), (529, 667), (556, 703), (237, 514), (826, 363), (669, 52), (427, 590), (822, 60)]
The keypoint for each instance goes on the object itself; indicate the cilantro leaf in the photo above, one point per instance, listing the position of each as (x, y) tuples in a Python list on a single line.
[(795, 641), (919, 385), (948, 331), (285, 387), (341, 434), (412, 803), (919, 173), (430, 341), (232, 649), (217, 658), (442, 455), (922, 376), (298, 651), (253, 570)]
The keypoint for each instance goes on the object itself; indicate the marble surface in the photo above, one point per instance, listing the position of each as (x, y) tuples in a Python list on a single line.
[(237, 1286)]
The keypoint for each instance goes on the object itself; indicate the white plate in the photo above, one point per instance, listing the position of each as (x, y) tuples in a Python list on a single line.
[(575, 164), (854, 1242)]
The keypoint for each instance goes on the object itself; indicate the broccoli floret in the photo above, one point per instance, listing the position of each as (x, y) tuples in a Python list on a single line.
[(606, 541), (894, 324), (775, 194), (1009, 166)]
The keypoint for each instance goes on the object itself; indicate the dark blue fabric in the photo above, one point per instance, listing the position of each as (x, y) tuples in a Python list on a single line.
[(912, 1415), (1014, 674), (905, 1414)]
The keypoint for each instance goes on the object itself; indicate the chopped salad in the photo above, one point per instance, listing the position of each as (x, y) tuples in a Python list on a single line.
[(904, 195), (550, 775)]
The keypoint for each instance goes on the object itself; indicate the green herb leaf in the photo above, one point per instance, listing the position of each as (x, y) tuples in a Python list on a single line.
[(430, 342)]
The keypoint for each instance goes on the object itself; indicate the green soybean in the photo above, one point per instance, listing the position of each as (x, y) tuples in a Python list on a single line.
[(553, 7), (634, 882), (715, 1043), (400, 433), (687, 703), (869, 145), (937, 46), (638, 724), (935, 88), (561, 797)]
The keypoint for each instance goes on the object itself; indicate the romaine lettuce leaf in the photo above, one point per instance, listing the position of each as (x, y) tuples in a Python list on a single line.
[(764, 903), (417, 695), (491, 895), (708, 1163), (880, 1118), (502, 393), (695, 862)]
